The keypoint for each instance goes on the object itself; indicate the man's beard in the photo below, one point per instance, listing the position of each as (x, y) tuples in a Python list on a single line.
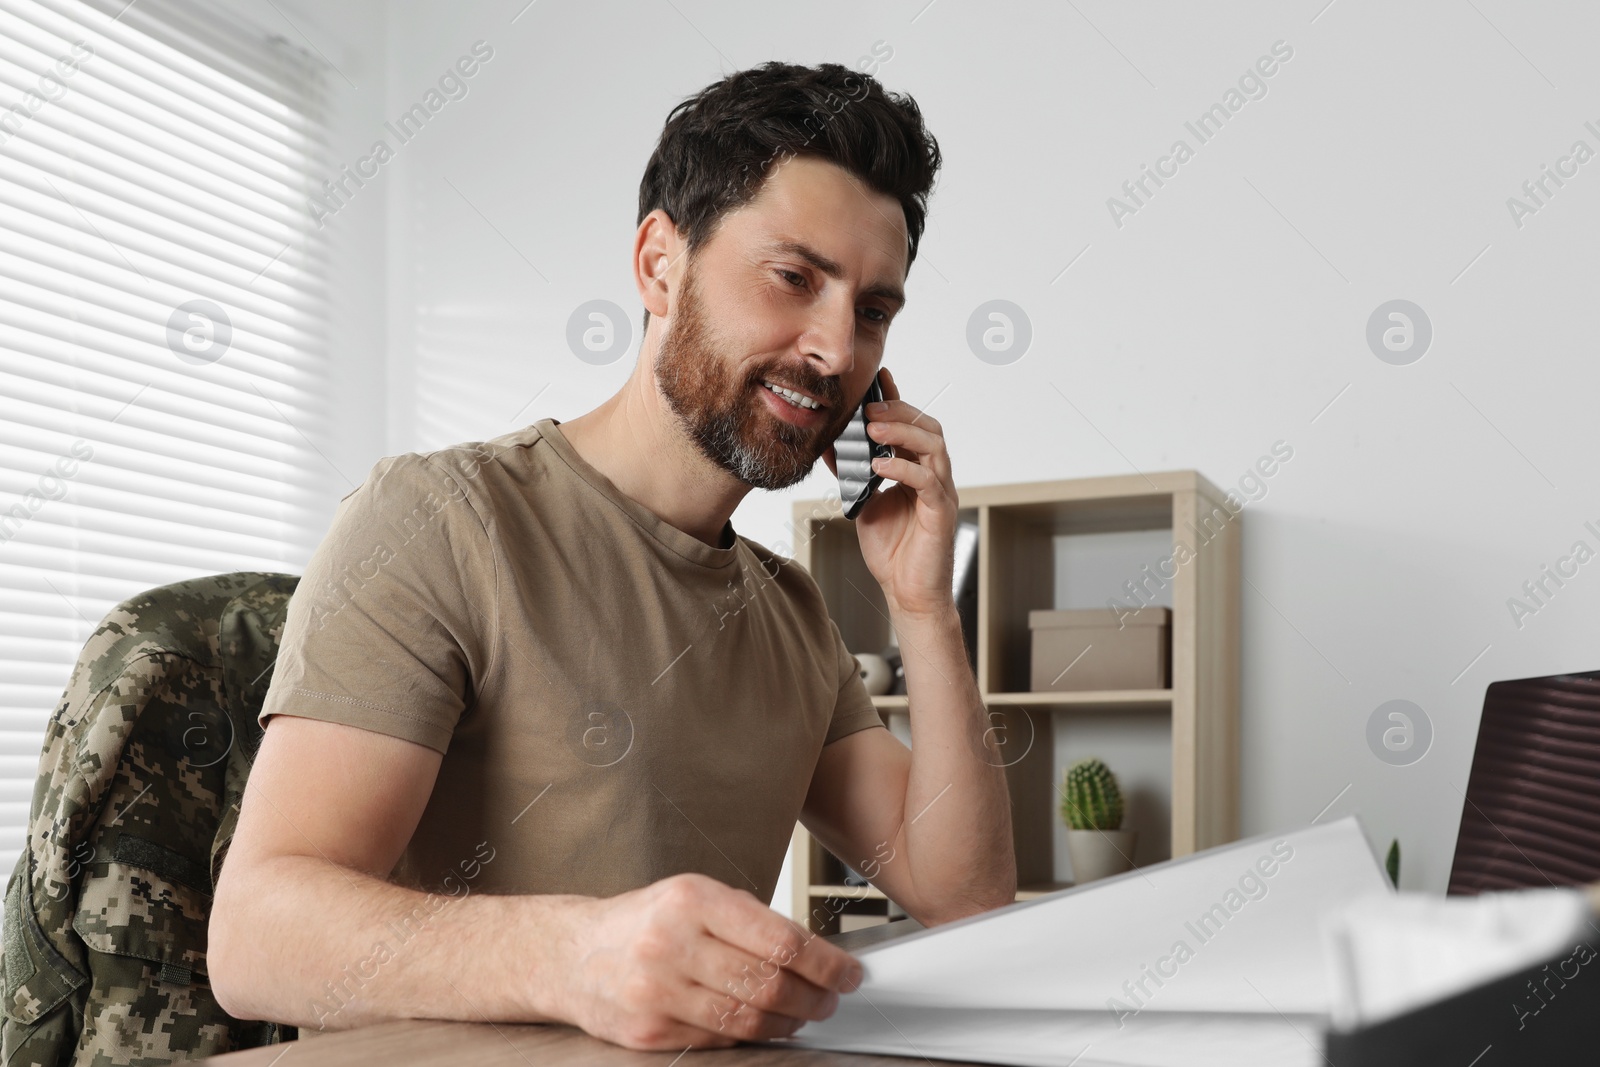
[(715, 406)]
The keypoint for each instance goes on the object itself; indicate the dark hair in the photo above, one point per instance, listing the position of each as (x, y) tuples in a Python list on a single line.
[(715, 150)]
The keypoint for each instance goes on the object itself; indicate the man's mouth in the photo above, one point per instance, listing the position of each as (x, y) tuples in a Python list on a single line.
[(794, 396), (798, 409)]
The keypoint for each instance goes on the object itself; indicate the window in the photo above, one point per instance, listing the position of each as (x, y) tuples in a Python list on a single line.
[(162, 326)]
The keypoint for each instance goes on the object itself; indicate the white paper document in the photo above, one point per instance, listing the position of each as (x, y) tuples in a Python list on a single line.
[(1214, 958)]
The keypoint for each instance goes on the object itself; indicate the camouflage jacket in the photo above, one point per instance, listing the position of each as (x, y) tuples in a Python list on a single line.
[(143, 770)]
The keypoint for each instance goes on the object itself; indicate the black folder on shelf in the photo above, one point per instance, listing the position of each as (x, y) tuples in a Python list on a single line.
[(1545, 1016)]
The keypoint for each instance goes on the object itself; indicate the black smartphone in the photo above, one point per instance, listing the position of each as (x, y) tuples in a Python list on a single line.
[(853, 454)]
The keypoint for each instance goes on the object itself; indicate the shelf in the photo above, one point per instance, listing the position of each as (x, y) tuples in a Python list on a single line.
[(867, 892), (1097, 699), (848, 892), (1040, 889), (1180, 743), (1088, 700), (1152, 512)]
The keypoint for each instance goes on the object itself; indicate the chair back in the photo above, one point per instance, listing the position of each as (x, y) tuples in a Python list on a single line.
[(141, 778)]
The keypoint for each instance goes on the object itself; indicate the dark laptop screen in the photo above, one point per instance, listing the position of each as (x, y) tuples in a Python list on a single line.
[(1532, 811)]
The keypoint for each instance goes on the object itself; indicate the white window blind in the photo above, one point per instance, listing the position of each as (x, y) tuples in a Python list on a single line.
[(162, 326)]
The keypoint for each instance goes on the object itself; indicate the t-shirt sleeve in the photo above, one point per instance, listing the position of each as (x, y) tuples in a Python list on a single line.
[(853, 709), (391, 625)]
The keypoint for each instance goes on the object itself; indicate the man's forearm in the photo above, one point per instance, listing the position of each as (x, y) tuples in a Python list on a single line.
[(299, 940), (957, 828)]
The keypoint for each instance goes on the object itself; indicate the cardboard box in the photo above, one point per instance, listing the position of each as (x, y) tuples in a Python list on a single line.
[(1090, 648)]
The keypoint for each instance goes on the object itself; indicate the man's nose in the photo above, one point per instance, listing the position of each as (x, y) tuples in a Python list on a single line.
[(830, 341)]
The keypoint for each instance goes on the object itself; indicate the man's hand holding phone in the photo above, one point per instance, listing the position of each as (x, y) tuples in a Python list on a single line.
[(907, 532), (691, 962)]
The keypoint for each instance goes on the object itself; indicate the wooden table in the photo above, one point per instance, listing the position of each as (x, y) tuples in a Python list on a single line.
[(426, 1042)]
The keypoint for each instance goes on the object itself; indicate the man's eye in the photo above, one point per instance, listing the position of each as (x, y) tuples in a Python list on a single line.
[(877, 316)]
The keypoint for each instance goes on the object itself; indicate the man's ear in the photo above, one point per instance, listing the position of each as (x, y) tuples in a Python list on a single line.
[(657, 247)]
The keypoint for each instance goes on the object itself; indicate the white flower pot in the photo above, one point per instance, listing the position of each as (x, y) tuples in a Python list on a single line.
[(1098, 853)]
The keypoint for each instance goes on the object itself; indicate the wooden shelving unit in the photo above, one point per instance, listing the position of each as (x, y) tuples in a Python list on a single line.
[(1017, 527)]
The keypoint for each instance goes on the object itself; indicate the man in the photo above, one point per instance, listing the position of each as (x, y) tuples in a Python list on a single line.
[(541, 723)]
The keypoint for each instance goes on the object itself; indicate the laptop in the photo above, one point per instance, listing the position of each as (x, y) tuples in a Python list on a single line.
[(1530, 819), (1531, 816)]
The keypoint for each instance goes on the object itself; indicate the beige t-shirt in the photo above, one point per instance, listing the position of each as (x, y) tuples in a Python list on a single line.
[(616, 700)]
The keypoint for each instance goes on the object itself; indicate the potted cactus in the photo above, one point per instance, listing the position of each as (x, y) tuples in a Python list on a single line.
[(1091, 806)]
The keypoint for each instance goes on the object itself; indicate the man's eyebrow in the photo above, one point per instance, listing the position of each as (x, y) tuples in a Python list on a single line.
[(885, 290)]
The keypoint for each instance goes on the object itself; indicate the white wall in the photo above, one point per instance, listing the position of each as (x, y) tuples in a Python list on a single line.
[(1224, 316)]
